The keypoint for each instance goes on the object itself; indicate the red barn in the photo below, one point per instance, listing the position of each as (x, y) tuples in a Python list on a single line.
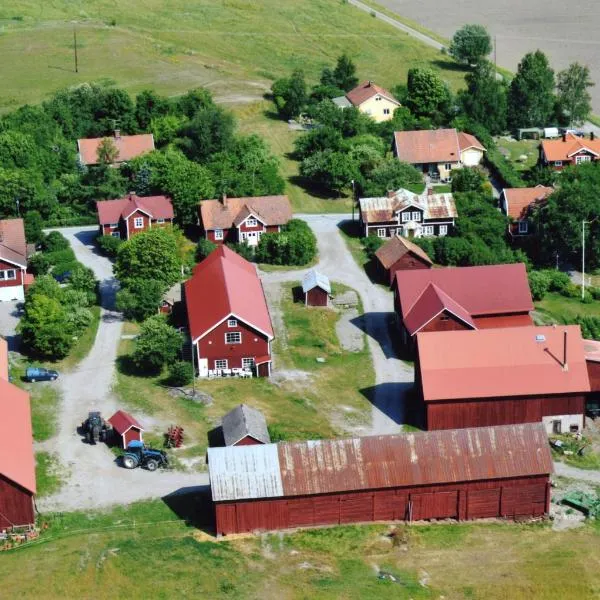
[(400, 254), (228, 317), (502, 376), (126, 427), (127, 216), (457, 298), (463, 474), (243, 220), (17, 463), (316, 289), (13, 260)]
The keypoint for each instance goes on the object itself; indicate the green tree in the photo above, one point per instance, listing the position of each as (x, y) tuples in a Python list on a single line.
[(55, 241), (331, 170), (109, 245), (539, 284), (82, 278), (152, 254), (107, 152), (140, 298), (573, 96), (148, 106), (428, 95), (290, 95), (471, 44), (316, 140), (391, 174), (531, 93), (180, 373), (468, 179), (204, 248), (157, 344), (344, 74), (193, 101), (34, 225), (295, 245)]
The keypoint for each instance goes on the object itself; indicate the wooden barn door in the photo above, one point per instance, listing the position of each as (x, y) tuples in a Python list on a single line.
[(436, 505), (483, 503)]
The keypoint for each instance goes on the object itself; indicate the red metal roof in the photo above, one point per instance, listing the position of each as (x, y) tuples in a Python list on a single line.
[(484, 290), (13, 247), (128, 147), (122, 421), (225, 284), (518, 200), (490, 363), (17, 462), (361, 93), (111, 211)]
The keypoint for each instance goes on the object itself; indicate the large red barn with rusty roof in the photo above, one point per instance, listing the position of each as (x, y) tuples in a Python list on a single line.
[(461, 474), (17, 463), (456, 298), (503, 376), (228, 317)]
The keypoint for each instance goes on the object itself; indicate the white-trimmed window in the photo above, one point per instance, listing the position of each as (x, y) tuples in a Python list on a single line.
[(406, 216), (448, 166), (523, 227), (231, 322), (251, 222), (218, 234), (428, 230), (377, 98), (221, 363), (233, 337), (138, 222), (116, 234), (8, 275), (247, 363), (443, 229), (113, 225), (160, 221), (386, 111), (381, 232), (582, 159), (558, 163), (416, 216)]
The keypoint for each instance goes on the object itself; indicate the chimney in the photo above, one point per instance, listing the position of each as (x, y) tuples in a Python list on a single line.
[(369, 83), (592, 136), (224, 199), (391, 193), (117, 134), (564, 137), (565, 363)]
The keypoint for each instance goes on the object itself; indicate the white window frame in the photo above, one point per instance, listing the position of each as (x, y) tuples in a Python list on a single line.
[(138, 222), (381, 232), (558, 163), (406, 216), (251, 222), (523, 227), (386, 111), (160, 221), (248, 363), (428, 230), (116, 234), (113, 225), (582, 159), (219, 362), (5, 275), (229, 335), (232, 323), (448, 166), (443, 230), (416, 215), (218, 234), (377, 98)]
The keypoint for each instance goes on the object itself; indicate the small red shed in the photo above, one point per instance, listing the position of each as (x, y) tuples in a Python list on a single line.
[(400, 254), (316, 289), (126, 427)]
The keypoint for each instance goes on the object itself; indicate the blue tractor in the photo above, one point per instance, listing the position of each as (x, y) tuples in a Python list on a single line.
[(139, 455)]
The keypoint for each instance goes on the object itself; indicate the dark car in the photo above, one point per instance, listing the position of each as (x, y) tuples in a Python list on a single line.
[(40, 374)]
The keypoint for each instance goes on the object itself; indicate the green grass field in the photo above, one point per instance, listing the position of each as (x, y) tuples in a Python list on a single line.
[(516, 149), (556, 308)]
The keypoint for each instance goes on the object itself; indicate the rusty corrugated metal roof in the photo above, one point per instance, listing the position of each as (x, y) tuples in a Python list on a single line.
[(411, 459)]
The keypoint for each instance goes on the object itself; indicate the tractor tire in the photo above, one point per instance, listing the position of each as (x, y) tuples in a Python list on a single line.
[(129, 462), (88, 437), (32, 380), (152, 465), (103, 436)]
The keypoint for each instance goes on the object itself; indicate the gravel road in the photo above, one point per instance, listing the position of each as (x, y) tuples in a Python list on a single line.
[(563, 470), (93, 479)]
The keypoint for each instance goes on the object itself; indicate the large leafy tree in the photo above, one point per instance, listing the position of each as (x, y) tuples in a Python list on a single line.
[(574, 98), (471, 44), (140, 298), (344, 74), (149, 105), (157, 344), (531, 94), (427, 94), (331, 170), (290, 95), (391, 174), (107, 152)]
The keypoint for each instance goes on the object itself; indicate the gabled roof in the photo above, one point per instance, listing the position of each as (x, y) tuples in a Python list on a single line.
[(244, 421), (385, 208), (13, 247), (315, 467), (122, 421), (394, 249), (128, 146), (519, 200), (223, 214), (244, 214), (366, 90), (512, 361), (315, 279), (225, 284), (591, 348), (17, 462), (572, 144), (156, 207), (483, 290), (466, 141)]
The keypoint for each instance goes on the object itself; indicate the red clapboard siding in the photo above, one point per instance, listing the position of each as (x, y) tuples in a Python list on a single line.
[(16, 504), (437, 505), (483, 503), (356, 508)]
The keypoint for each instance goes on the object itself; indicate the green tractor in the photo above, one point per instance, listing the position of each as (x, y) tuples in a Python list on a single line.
[(138, 455)]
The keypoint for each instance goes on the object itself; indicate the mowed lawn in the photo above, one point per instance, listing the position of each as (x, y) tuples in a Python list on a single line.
[(233, 47), (145, 551)]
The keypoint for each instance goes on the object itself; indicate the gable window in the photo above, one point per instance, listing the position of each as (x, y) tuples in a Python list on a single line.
[(8, 275), (138, 222), (251, 222), (416, 216), (523, 227), (386, 111), (221, 363), (231, 322), (381, 232), (428, 230), (218, 234), (247, 363), (377, 98), (582, 159), (558, 163), (405, 217), (233, 337)]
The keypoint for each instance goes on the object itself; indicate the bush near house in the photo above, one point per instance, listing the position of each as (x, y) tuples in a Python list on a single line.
[(157, 345), (109, 245), (295, 245), (140, 298)]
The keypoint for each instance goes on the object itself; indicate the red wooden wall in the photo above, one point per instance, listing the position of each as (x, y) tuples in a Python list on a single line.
[(593, 369), (11, 282), (16, 504), (408, 262), (317, 297), (134, 434), (509, 498), (445, 321)]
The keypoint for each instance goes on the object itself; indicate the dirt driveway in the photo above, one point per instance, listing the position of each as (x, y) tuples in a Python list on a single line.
[(93, 479)]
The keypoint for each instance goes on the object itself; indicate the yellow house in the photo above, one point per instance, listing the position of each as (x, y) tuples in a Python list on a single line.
[(371, 100)]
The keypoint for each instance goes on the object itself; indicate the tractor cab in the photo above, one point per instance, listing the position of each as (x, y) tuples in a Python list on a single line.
[(139, 455)]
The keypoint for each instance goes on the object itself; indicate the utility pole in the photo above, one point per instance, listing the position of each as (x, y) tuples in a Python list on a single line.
[(75, 47), (495, 54), (193, 370), (353, 199), (583, 224)]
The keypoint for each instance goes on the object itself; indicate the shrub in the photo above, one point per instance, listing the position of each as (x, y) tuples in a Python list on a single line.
[(55, 241), (204, 248), (539, 283), (140, 298), (109, 245), (595, 292), (180, 373), (507, 175), (83, 280), (587, 298), (57, 257), (157, 344), (243, 250), (558, 280), (295, 245), (371, 244), (39, 264), (571, 291)]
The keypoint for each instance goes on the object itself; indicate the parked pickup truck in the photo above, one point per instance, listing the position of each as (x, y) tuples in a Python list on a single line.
[(40, 374)]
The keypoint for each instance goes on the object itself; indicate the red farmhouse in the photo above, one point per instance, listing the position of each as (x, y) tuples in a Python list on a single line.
[(569, 150), (128, 147), (17, 464), (400, 254), (126, 427), (229, 321), (243, 219), (485, 472), (518, 203), (462, 298), (13, 260), (127, 216), (502, 376)]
